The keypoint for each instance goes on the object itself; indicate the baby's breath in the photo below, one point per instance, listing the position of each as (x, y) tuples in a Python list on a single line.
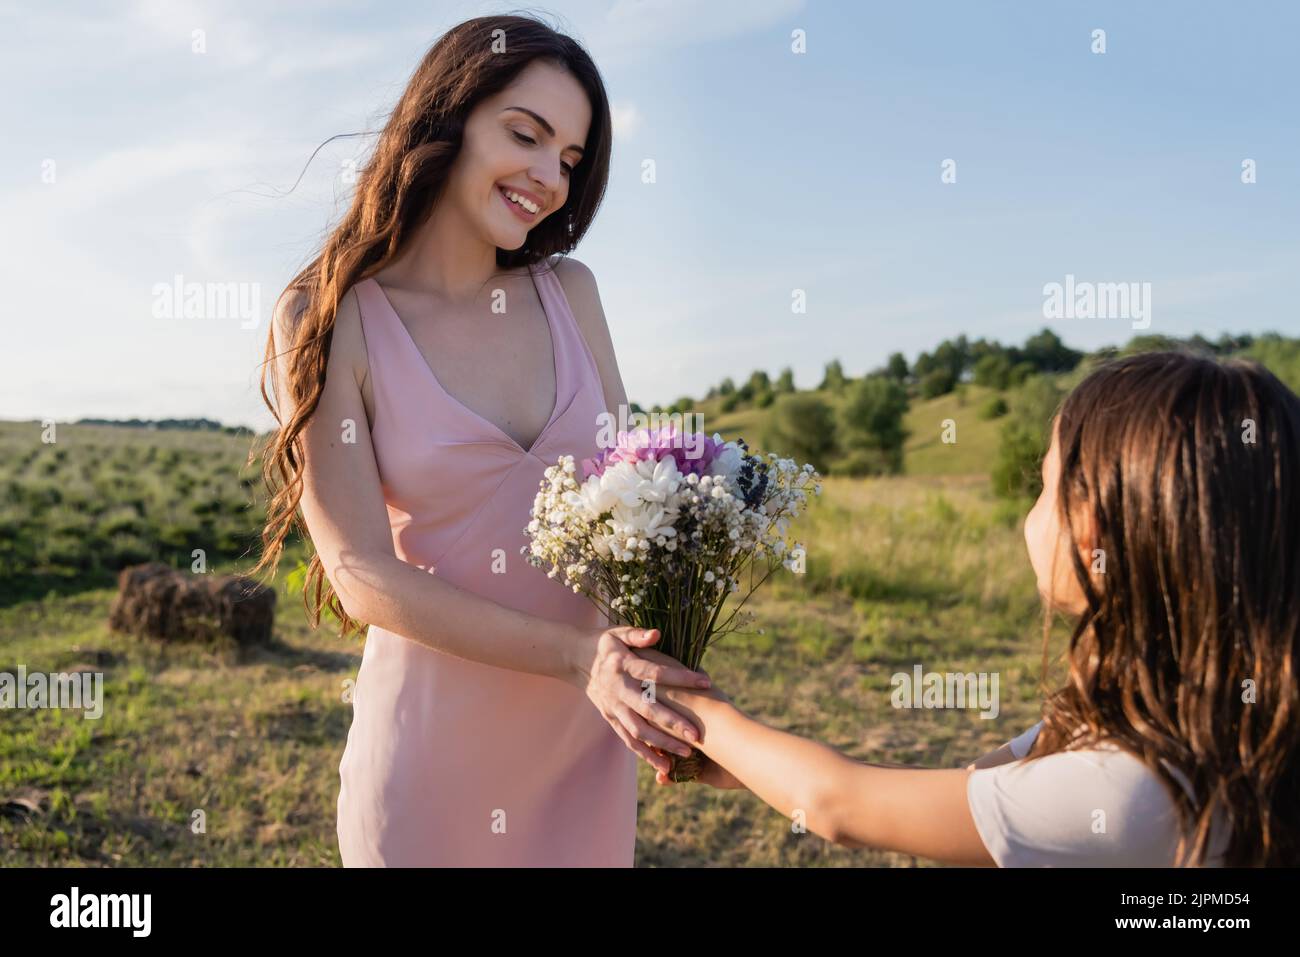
[(658, 549)]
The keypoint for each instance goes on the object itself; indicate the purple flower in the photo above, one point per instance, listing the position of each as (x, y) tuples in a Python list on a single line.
[(693, 453)]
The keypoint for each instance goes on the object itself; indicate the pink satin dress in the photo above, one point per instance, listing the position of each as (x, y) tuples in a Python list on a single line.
[(450, 762)]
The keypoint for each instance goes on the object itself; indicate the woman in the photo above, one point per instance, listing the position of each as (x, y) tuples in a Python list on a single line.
[(428, 364)]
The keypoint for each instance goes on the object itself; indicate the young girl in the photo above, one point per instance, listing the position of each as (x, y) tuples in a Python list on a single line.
[(1175, 738)]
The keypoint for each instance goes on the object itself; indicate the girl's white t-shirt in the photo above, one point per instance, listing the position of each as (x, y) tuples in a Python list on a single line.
[(1100, 807)]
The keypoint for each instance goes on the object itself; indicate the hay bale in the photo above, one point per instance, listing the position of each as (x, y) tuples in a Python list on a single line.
[(157, 601)]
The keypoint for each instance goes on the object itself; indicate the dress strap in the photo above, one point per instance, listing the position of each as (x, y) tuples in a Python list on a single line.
[(572, 345), (375, 309)]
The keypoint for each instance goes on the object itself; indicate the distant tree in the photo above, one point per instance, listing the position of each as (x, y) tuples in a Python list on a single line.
[(759, 382), (897, 366), (936, 383), (727, 387), (1049, 354), (871, 426), (951, 356), (1023, 439), (1020, 372), (994, 407), (682, 405), (993, 370), (1153, 343), (785, 382), (985, 347), (802, 426), (1279, 355), (1227, 343), (834, 377)]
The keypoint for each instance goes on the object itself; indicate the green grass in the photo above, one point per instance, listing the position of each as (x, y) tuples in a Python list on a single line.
[(975, 438), (927, 568), (97, 498), (900, 572)]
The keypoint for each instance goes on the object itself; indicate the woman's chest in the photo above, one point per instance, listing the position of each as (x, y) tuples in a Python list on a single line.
[(499, 366)]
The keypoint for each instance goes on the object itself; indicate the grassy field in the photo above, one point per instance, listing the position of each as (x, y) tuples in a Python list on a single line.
[(901, 571), (927, 568), (98, 497)]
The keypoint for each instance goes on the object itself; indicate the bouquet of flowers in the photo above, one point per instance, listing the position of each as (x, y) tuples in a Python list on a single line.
[(660, 529)]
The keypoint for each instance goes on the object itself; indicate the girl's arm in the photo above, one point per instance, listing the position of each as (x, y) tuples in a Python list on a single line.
[(909, 810)]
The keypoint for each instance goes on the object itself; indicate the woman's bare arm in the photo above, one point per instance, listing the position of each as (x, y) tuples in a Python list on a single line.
[(343, 505)]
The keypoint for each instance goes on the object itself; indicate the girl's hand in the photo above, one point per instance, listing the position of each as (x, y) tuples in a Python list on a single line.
[(611, 673), (711, 773), (712, 691)]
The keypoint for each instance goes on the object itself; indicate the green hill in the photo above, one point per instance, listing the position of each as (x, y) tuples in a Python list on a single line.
[(978, 435), (925, 452)]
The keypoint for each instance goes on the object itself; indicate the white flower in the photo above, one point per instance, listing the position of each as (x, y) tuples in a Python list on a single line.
[(626, 529), (728, 461), (602, 544)]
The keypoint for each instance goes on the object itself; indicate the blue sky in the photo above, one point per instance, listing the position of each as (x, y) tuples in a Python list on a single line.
[(775, 171)]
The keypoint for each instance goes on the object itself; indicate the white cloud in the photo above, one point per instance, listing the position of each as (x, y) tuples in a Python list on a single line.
[(627, 120)]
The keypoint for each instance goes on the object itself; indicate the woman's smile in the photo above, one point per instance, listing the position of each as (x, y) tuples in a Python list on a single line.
[(523, 204)]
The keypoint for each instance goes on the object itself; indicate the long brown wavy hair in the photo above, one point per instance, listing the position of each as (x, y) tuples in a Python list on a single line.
[(1186, 656), (396, 191)]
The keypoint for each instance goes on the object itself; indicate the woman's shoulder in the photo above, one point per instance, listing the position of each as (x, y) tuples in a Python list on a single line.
[(292, 306), (579, 285), (570, 269), (347, 338)]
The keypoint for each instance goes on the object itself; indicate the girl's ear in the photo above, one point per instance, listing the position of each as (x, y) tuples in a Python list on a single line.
[(1086, 534)]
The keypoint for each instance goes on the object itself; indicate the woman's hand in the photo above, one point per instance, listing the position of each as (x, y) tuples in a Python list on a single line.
[(711, 773), (609, 670)]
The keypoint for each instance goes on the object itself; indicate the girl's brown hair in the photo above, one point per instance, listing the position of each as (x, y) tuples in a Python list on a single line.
[(395, 192), (1186, 470)]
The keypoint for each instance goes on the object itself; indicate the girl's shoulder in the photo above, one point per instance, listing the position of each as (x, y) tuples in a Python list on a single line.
[(1099, 806)]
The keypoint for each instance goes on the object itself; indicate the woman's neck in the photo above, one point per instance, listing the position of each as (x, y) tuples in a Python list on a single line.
[(444, 259)]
